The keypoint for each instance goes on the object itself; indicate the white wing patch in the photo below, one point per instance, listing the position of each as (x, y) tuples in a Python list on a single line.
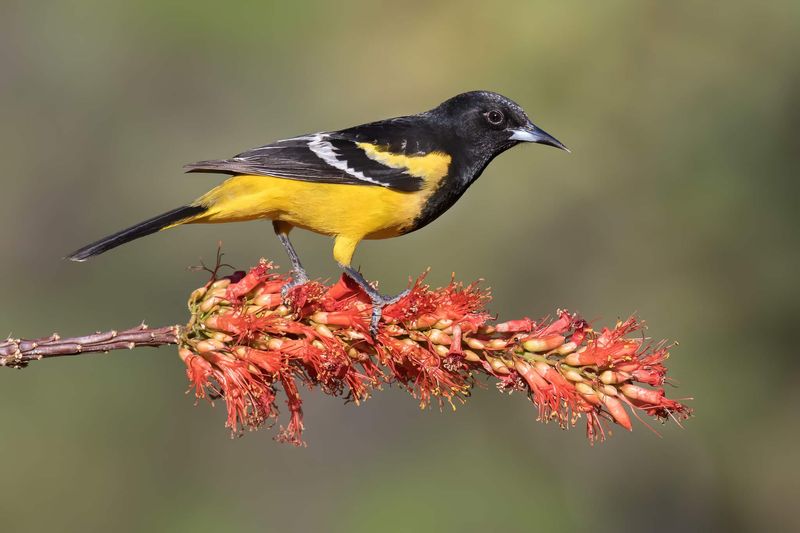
[(324, 150)]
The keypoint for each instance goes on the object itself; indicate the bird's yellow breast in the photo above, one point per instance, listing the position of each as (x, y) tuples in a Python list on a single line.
[(353, 211)]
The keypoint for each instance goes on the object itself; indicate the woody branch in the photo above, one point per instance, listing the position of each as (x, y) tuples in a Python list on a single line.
[(18, 353)]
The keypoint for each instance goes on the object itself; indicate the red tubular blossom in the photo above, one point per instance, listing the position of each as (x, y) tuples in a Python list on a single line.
[(268, 361), (258, 275), (246, 345), (293, 432), (543, 344), (511, 326), (634, 392), (199, 372), (618, 412)]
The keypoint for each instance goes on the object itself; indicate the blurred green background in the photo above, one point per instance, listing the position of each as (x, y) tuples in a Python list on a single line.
[(679, 202)]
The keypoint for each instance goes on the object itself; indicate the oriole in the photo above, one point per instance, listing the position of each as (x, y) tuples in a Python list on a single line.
[(373, 181)]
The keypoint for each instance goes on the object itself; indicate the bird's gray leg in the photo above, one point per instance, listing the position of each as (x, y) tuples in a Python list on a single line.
[(379, 301), (299, 276)]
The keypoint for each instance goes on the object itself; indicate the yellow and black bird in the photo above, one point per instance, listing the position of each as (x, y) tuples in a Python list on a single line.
[(373, 181)]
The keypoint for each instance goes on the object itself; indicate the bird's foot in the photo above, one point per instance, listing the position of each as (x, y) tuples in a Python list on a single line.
[(299, 277), (379, 301)]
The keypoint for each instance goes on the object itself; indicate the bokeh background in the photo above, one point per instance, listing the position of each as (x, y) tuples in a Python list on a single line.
[(679, 202)]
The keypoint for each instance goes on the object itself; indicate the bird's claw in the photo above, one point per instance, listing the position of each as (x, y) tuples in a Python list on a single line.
[(298, 278), (380, 301)]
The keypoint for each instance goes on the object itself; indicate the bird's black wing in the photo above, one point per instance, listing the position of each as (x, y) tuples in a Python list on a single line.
[(334, 157)]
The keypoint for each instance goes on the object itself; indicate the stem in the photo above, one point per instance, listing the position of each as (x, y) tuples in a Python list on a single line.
[(17, 353)]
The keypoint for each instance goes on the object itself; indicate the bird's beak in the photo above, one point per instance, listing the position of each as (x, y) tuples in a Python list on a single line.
[(533, 134)]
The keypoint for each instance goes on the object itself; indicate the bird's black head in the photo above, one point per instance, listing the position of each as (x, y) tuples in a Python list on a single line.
[(486, 124)]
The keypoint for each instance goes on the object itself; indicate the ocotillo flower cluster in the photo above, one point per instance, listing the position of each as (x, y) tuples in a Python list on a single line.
[(245, 344)]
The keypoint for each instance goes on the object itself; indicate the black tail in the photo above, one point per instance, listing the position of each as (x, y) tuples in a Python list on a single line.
[(134, 232)]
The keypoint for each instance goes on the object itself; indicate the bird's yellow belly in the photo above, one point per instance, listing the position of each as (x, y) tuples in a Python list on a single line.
[(357, 211)]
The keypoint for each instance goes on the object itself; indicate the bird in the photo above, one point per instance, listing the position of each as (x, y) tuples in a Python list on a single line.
[(373, 181)]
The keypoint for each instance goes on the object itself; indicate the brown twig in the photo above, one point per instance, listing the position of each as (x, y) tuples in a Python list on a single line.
[(17, 353)]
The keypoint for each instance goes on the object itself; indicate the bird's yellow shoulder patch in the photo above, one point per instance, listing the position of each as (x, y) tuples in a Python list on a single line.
[(431, 167)]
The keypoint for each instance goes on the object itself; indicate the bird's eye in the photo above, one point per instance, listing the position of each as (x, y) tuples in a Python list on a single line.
[(495, 117)]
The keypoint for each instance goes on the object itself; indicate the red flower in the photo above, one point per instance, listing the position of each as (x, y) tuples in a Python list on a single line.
[(244, 344)]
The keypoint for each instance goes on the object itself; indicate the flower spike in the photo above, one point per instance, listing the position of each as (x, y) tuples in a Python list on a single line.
[(246, 345)]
